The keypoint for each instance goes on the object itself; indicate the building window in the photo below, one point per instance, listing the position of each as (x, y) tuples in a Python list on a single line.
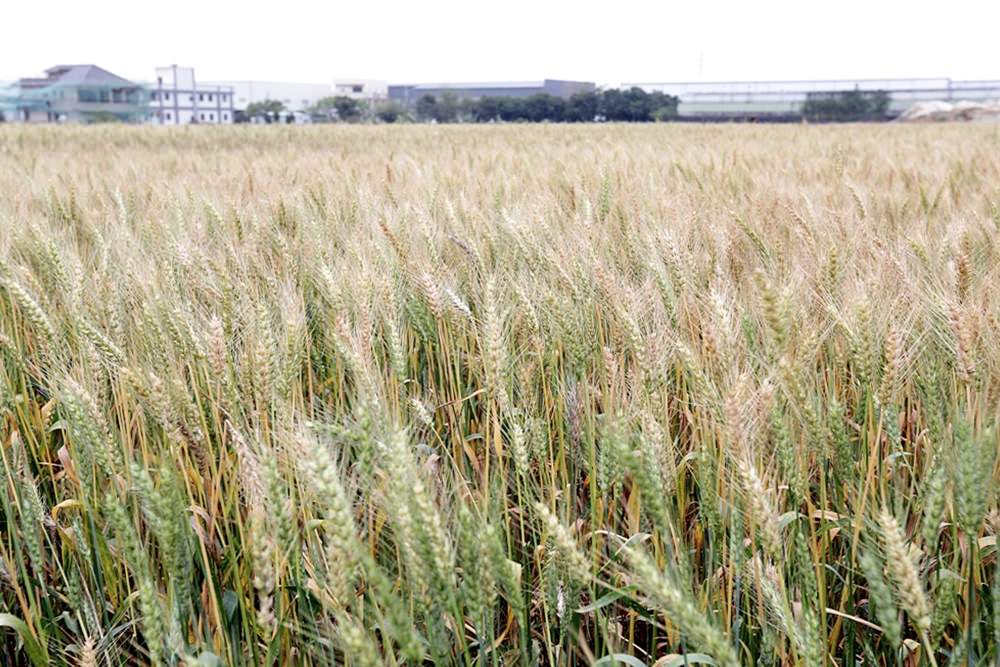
[(358, 88), (210, 97), (201, 116), (201, 97), (166, 96), (211, 116), (169, 117), (225, 116), (152, 96)]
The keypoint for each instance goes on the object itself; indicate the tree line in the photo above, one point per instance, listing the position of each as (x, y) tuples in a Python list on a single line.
[(630, 106), (846, 106)]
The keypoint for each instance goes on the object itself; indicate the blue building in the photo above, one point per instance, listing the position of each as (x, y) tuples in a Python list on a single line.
[(74, 94)]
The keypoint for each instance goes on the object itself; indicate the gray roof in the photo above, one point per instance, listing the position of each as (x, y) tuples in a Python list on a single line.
[(482, 85), (76, 75)]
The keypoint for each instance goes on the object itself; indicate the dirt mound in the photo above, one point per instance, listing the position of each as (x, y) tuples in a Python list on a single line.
[(957, 111)]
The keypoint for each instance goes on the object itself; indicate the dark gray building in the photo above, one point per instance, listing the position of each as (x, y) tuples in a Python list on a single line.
[(410, 93)]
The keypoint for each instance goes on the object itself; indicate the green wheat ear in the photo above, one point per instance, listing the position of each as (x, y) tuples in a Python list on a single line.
[(503, 394)]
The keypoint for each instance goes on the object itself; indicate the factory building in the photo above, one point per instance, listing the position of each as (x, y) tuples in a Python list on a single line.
[(297, 97), (784, 99), (410, 93)]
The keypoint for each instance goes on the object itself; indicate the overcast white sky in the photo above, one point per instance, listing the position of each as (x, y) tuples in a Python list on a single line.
[(453, 40)]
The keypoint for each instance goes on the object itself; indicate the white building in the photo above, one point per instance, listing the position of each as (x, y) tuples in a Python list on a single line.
[(296, 97), (176, 98), (361, 89), (764, 98)]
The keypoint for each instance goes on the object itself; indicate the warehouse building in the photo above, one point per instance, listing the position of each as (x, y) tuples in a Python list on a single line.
[(784, 99), (410, 93), (297, 97)]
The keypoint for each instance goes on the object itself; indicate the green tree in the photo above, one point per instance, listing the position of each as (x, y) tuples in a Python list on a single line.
[(486, 109), (348, 109), (635, 105), (467, 109), (613, 105), (266, 109), (427, 107), (337, 107), (583, 107), (664, 106), (390, 112), (543, 107), (513, 108), (324, 110), (447, 108), (846, 106)]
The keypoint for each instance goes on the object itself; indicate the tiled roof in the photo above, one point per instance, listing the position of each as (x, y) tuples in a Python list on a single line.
[(85, 74)]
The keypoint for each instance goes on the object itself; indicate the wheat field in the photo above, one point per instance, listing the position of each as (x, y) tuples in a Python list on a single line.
[(511, 395)]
